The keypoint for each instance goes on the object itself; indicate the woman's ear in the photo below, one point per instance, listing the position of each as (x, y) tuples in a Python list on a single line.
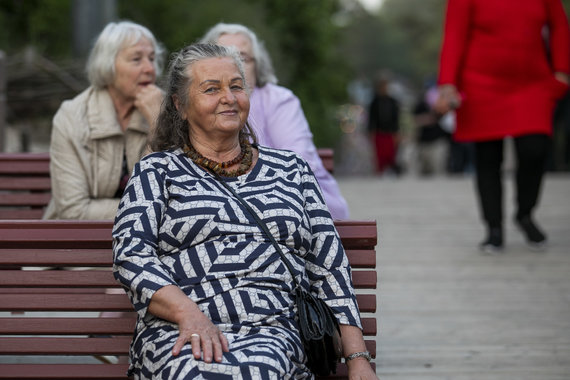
[(176, 102)]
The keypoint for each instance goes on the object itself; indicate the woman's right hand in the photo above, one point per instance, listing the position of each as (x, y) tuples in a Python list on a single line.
[(206, 339), (148, 101), (448, 99), (170, 303)]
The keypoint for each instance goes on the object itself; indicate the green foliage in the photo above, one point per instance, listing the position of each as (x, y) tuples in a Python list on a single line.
[(45, 24)]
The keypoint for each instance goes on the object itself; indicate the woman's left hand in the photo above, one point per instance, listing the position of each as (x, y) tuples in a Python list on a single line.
[(148, 101), (360, 369), (562, 77), (352, 341)]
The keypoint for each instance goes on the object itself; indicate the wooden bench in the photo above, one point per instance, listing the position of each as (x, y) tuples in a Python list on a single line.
[(25, 187), (50, 326)]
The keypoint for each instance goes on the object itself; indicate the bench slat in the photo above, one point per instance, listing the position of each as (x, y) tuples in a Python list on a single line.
[(361, 258), (68, 326), (357, 234), (56, 257), (113, 345), (354, 234), (64, 302), (25, 199), (22, 213), (366, 303), (64, 371), (358, 258), (107, 302), (25, 183), (81, 326), (95, 371), (362, 279)]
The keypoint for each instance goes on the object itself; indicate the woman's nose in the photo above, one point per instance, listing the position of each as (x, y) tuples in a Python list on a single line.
[(148, 66), (228, 96)]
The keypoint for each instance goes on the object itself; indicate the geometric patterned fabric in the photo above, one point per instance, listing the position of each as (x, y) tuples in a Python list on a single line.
[(176, 225)]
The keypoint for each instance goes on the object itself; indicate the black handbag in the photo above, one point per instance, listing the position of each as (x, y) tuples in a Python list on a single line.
[(318, 326)]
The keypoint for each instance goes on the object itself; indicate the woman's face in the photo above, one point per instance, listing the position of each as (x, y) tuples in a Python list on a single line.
[(243, 44), (134, 69), (218, 103)]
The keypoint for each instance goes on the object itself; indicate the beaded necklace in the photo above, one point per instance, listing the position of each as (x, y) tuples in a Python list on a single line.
[(244, 158)]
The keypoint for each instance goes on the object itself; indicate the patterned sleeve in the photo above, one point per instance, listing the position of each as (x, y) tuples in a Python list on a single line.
[(327, 266), (135, 236)]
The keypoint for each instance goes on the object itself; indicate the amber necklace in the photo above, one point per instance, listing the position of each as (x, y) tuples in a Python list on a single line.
[(244, 158)]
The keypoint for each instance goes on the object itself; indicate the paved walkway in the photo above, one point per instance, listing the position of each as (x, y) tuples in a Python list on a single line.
[(446, 311)]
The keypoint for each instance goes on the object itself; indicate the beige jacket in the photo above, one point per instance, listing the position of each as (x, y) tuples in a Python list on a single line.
[(86, 154)]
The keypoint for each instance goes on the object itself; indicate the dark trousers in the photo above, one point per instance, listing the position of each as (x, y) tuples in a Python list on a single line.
[(531, 154)]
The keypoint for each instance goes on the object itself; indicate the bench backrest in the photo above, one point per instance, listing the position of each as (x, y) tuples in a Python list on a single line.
[(25, 186), (67, 269)]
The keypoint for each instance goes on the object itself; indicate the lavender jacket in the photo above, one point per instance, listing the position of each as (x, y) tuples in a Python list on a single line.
[(279, 122)]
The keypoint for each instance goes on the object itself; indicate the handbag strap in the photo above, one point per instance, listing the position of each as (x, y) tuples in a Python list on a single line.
[(262, 225)]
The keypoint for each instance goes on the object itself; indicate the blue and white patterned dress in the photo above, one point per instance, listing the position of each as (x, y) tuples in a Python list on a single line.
[(177, 225)]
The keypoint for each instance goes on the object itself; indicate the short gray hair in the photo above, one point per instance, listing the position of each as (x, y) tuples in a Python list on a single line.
[(101, 62), (172, 131), (264, 72)]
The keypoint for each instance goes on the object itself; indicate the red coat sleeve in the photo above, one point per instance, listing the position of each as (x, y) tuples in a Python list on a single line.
[(559, 36), (455, 39)]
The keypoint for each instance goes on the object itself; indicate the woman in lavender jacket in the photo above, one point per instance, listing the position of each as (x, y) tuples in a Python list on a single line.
[(275, 112)]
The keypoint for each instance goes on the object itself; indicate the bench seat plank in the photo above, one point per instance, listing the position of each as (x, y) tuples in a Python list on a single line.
[(358, 258), (25, 199), (78, 326), (111, 345), (107, 302), (21, 213), (93, 371), (64, 302), (68, 326), (64, 371), (364, 279), (29, 184), (56, 257)]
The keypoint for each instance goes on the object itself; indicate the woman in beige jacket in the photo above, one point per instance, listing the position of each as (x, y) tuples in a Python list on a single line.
[(99, 135)]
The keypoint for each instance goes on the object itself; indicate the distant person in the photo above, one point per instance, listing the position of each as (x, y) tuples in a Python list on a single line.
[(431, 139), (276, 114), (98, 136), (384, 126), (504, 81)]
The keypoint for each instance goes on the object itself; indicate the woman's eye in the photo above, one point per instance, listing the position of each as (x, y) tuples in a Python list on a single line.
[(237, 88), (210, 89)]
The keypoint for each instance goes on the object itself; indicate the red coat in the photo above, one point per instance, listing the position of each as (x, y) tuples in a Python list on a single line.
[(494, 51)]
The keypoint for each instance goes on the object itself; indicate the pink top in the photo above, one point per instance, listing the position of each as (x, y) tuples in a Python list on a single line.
[(279, 122)]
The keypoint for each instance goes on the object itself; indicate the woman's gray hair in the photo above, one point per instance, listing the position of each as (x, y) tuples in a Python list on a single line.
[(264, 72), (115, 37), (172, 131)]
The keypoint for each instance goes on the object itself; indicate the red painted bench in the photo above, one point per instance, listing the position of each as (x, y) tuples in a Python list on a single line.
[(63, 343), (25, 187)]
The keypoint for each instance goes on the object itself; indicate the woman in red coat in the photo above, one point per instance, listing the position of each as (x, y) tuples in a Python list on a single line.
[(503, 66)]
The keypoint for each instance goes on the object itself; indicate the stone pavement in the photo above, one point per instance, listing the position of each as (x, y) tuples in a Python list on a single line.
[(447, 311)]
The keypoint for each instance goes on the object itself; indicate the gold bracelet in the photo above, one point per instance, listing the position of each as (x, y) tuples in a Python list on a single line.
[(361, 354)]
